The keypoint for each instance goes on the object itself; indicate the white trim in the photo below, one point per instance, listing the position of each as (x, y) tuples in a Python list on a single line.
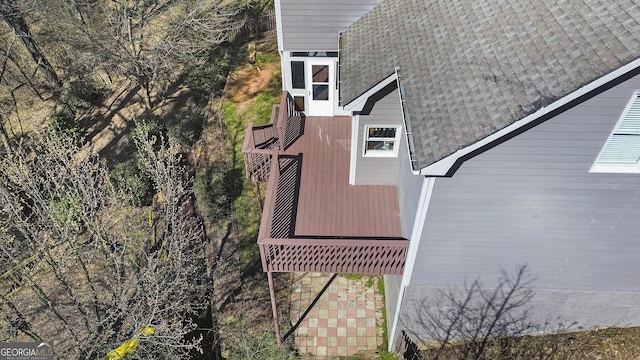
[(285, 64), (283, 55), (381, 153), (441, 167), (279, 32), (358, 103), (355, 125), (412, 252)]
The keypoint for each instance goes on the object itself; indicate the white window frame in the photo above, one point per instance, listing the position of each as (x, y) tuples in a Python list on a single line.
[(625, 138), (381, 153)]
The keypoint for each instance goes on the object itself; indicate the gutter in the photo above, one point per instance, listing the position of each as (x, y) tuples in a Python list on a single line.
[(407, 125)]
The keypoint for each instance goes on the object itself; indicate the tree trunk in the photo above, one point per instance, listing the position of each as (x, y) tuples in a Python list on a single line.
[(12, 15), (4, 137), (146, 89)]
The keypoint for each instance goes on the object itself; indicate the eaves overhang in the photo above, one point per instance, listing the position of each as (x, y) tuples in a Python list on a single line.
[(368, 98), (448, 165)]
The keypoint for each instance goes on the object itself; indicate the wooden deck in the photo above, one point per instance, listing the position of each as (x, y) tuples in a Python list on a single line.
[(327, 205), (312, 219)]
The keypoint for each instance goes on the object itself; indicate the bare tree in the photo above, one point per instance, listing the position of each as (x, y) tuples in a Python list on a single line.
[(14, 17), (474, 321), (86, 275), (147, 41)]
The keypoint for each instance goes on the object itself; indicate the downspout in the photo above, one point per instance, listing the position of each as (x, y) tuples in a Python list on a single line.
[(339, 78), (407, 124)]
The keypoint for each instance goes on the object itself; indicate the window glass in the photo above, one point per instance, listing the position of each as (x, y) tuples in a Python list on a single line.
[(382, 132), (314, 54), (299, 103), (297, 74), (381, 141), (320, 92), (320, 73)]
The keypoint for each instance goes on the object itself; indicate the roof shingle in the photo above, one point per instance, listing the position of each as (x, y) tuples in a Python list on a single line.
[(472, 67)]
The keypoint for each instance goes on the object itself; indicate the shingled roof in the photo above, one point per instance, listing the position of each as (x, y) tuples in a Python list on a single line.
[(472, 67)]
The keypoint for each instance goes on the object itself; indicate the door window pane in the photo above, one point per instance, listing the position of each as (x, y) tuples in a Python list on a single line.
[(320, 73), (297, 74), (320, 92)]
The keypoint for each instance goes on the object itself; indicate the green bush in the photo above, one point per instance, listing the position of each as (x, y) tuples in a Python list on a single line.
[(130, 186), (215, 188), (186, 125), (64, 121), (210, 78), (65, 214), (153, 124), (84, 94)]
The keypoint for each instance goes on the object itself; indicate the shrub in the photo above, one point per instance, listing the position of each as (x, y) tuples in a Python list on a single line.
[(215, 188), (83, 94), (64, 121), (186, 125), (65, 213), (129, 184), (242, 342), (209, 78)]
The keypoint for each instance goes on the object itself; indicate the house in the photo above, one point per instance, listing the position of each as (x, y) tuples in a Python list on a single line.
[(438, 141)]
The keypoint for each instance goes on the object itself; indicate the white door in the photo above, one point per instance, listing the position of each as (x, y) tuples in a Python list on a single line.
[(321, 87)]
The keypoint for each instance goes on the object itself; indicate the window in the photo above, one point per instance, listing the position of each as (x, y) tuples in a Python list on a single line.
[(297, 74), (381, 141), (621, 152), (298, 102), (315, 54)]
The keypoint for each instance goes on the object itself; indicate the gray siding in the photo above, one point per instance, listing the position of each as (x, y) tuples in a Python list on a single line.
[(409, 188), (380, 170), (551, 307), (314, 25), (532, 200)]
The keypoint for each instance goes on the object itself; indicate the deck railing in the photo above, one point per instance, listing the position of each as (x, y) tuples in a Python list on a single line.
[(361, 256), (269, 206), (280, 254), (259, 140)]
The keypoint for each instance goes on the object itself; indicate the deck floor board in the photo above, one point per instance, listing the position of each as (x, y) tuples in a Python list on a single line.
[(328, 205)]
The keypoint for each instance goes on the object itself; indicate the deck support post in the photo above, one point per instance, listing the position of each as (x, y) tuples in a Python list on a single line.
[(274, 309)]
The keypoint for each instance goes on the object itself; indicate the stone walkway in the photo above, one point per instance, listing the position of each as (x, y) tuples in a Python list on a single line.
[(336, 316)]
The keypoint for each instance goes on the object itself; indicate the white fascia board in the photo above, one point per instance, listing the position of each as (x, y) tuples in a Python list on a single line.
[(355, 124), (280, 37), (442, 167), (412, 252), (279, 34), (358, 103), (285, 70)]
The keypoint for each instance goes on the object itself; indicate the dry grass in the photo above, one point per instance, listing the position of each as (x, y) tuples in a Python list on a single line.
[(602, 344)]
